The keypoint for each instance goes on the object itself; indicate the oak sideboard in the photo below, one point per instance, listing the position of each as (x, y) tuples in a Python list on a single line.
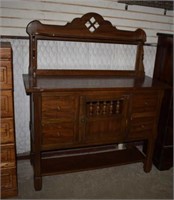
[(86, 119)]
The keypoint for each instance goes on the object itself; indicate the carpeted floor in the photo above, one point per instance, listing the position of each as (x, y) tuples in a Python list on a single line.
[(121, 182)]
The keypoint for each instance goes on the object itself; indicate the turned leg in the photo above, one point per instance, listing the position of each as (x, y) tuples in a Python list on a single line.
[(149, 154)]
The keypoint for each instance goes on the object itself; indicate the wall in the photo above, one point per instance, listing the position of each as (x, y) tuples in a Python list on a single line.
[(16, 14)]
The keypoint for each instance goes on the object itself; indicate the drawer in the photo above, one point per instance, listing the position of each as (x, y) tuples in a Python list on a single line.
[(7, 130), (145, 102), (140, 127), (5, 53), (8, 179), (5, 74), (7, 155), (6, 103), (58, 133), (58, 107)]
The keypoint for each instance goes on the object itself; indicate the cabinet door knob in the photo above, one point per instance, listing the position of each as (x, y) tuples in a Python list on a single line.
[(83, 120)]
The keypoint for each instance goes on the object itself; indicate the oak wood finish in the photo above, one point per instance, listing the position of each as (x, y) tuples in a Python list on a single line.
[(79, 116), (163, 71), (7, 131)]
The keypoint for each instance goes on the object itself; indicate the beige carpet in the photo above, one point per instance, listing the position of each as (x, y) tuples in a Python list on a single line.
[(121, 182)]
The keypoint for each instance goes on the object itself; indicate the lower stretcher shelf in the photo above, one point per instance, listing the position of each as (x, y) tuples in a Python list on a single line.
[(87, 161)]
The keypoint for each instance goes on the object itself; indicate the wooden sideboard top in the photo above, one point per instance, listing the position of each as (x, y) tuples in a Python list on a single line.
[(75, 83)]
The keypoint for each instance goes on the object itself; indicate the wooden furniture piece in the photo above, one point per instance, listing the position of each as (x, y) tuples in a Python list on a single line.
[(7, 130), (78, 117), (163, 71)]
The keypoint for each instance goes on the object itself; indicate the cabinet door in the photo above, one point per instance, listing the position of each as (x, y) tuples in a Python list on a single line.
[(103, 119)]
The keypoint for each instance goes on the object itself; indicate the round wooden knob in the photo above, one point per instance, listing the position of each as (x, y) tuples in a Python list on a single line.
[(58, 108)]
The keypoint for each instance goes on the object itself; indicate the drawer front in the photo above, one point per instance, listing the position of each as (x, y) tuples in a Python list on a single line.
[(7, 156), (5, 74), (58, 133), (5, 53), (8, 179), (6, 130), (145, 102), (141, 127), (6, 103), (58, 107)]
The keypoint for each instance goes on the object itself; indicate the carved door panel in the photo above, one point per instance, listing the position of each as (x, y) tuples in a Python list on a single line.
[(103, 119)]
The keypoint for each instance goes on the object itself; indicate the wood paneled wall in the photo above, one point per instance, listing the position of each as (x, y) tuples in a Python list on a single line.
[(16, 14)]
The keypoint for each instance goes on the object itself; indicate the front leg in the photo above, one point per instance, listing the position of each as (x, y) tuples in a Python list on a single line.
[(149, 149), (37, 183), (37, 172)]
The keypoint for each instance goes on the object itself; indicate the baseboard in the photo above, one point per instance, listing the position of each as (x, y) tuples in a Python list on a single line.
[(23, 156)]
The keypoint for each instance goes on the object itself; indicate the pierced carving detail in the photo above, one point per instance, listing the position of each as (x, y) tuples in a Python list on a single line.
[(92, 24)]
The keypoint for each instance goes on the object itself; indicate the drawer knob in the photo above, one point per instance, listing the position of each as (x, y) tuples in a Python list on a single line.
[(146, 103), (58, 133), (142, 126), (58, 108)]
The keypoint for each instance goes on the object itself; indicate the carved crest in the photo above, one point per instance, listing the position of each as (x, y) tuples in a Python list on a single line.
[(90, 26)]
